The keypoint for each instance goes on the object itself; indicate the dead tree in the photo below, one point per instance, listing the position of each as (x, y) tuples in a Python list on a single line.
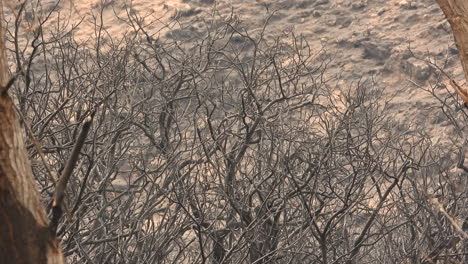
[(25, 236), (456, 12)]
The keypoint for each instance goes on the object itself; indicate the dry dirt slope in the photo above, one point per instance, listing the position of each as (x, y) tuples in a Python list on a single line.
[(386, 40)]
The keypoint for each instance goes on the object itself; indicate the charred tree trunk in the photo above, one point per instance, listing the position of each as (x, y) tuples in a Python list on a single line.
[(456, 12), (24, 233)]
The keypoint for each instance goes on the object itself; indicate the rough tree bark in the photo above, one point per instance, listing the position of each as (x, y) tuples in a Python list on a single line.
[(456, 12), (25, 236)]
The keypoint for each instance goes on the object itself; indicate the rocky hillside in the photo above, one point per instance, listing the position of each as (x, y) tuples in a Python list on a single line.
[(388, 41)]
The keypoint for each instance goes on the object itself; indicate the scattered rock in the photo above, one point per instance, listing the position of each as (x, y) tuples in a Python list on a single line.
[(284, 5), (453, 50), (316, 14), (320, 30), (300, 18), (359, 5), (237, 40), (375, 51), (439, 118), (330, 20), (417, 69), (344, 22), (322, 2), (277, 16), (441, 86), (392, 64), (445, 26), (183, 34), (411, 19), (430, 33), (305, 14), (304, 4), (348, 42), (381, 11), (435, 10), (189, 12), (406, 54), (407, 4)]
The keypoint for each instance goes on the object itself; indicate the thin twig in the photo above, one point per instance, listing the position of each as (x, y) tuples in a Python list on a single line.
[(38, 147)]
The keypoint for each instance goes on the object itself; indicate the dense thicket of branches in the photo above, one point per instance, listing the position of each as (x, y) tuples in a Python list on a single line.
[(218, 145)]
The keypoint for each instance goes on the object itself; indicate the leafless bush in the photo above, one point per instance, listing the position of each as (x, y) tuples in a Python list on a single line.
[(223, 146)]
